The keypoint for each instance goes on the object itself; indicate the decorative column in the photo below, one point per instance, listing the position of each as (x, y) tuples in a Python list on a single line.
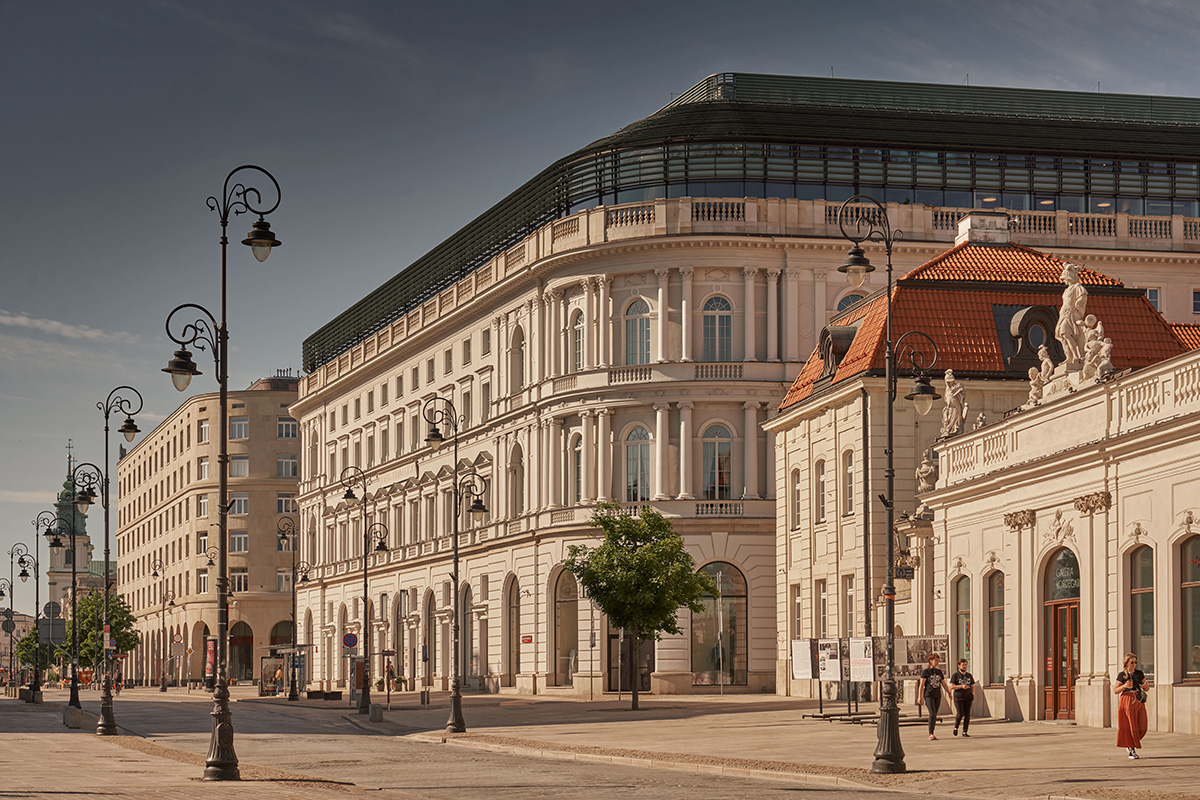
[(750, 437), (585, 417), (564, 321), (685, 450), (554, 331), (603, 454), (661, 434), (537, 372), (664, 277), (685, 314), (772, 315), (749, 274), (792, 348), (589, 325), (554, 465), (605, 315), (819, 301)]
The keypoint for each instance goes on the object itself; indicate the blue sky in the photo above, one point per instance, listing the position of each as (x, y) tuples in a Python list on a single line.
[(389, 126)]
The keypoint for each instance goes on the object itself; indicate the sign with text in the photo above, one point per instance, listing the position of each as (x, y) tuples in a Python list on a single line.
[(804, 656), (862, 659), (829, 660)]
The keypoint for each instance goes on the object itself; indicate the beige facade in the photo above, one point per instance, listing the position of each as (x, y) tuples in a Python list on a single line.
[(168, 513)]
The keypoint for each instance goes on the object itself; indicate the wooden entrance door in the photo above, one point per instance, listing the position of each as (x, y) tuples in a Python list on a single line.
[(1062, 658)]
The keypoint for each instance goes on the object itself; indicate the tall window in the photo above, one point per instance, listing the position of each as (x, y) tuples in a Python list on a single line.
[(516, 477), (239, 427), (201, 505), (962, 618), (1141, 608), (202, 581), (718, 329), (517, 360), (797, 611), (637, 332), (848, 482), (797, 493), (848, 605), (996, 629), (577, 341), (288, 428), (283, 580), (576, 469), (821, 611), (1152, 296), (202, 431), (717, 451), (202, 468), (819, 492), (637, 465), (1190, 606), (719, 646)]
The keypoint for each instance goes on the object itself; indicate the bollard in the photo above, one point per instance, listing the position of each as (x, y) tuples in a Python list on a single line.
[(376, 714)]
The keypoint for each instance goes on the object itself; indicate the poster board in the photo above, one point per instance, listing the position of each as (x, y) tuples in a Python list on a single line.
[(829, 660), (912, 655), (862, 659), (803, 659)]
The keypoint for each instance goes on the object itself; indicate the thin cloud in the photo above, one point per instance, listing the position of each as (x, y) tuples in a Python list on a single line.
[(31, 498), (65, 329)]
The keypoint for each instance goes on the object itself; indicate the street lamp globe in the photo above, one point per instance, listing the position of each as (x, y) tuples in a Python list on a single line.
[(435, 439), (477, 510), (24, 575), (129, 429), (856, 266), (922, 395), (261, 240), (182, 368)]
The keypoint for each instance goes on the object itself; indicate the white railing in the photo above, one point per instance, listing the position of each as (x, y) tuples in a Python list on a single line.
[(630, 374), (621, 216), (1032, 222), (1092, 225), (563, 516), (719, 508), (719, 371), (564, 228), (718, 210), (1149, 228)]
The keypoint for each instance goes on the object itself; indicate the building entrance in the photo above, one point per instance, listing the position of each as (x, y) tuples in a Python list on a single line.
[(1061, 622)]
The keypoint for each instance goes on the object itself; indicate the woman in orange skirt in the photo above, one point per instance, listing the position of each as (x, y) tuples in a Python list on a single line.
[(1131, 713)]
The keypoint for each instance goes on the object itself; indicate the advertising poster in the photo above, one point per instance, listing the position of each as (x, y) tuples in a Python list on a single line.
[(210, 657), (829, 660), (803, 656), (862, 660)]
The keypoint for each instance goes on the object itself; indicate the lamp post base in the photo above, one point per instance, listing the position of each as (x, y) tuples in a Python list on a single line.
[(293, 693), (222, 763), (106, 725), (889, 754), (456, 723), (74, 701)]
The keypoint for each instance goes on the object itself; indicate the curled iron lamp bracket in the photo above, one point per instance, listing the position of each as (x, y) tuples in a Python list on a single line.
[(202, 332), (872, 226), (236, 198)]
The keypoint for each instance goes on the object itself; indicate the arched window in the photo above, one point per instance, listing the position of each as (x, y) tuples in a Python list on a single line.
[(637, 465), (995, 629), (717, 451), (566, 629), (470, 647), (576, 470), (718, 329), (516, 482), (577, 341), (637, 332), (429, 654), (512, 655), (797, 494), (719, 632), (819, 491), (1190, 606), (849, 300), (1141, 608), (848, 482), (516, 363), (962, 620)]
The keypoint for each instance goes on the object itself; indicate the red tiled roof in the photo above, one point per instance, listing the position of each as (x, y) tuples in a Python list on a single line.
[(1008, 263), (1188, 333), (960, 318)]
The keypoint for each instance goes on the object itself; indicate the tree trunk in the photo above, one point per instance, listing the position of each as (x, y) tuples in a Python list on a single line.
[(635, 667)]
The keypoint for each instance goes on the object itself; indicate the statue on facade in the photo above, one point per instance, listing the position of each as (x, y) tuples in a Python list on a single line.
[(980, 421), (1069, 330), (1104, 365), (1047, 363), (927, 475), (1097, 361), (955, 412), (1037, 385)]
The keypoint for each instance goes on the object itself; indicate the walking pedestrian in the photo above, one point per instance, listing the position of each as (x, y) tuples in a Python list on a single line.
[(962, 689), (929, 688), (1131, 713)]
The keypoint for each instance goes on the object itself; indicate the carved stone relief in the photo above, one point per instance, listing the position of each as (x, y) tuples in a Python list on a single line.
[(1137, 532), (1060, 529), (1025, 518), (1091, 503)]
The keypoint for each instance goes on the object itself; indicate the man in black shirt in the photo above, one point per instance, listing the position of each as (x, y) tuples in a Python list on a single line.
[(962, 688)]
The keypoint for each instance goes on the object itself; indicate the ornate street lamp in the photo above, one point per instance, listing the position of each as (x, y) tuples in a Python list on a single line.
[(20, 554), (441, 410), (874, 226), (376, 533), (286, 530), (166, 597), (206, 333), (56, 527), (88, 477)]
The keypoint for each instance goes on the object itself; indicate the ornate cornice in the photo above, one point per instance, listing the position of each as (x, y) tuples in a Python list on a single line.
[(1091, 503), (1025, 518)]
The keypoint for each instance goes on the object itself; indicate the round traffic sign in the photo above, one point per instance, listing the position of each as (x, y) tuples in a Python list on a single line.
[(51, 610), (350, 640), (8, 626), (177, 638)]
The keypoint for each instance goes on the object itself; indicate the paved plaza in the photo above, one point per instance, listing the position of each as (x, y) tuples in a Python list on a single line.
[(686, 747)]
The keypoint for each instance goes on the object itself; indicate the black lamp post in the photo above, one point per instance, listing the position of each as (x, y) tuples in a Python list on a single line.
[(208, 334), (91, 477), (19, 554), (441, 410), (6, 590), (166, 597), (874, 226), (56, 526), (376, 532), (286, 530)]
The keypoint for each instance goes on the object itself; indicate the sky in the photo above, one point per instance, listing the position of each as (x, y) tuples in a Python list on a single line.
[(389, 125)]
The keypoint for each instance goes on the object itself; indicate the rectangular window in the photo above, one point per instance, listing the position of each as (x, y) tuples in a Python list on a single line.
[(465, 408), (383, 394), (201, 505), (202, 431), (466, 348), (287, 428), (332, 421), (820, 630), (1152, 296), (202, 581), (370, 402), (399, 436), (415, 431), (485, 407), (996, 675), (358, 408), (239, 503), (239, 541), (287, 465), (1196, 301), (345, 414), (202, 542), (239, 427), (819, 492), (383, 443), (283, 580), (485, 341), (370, 451), (239, 466), (848, 605), (429, 373), (448, 359), (399, 386), (202, 468), (962, 618), (239, 579), (416, 377), (285, 503), (797, 612), (848, 482)]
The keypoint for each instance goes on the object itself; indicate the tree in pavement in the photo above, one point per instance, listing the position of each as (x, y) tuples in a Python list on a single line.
[(640, 575), (90, 609)]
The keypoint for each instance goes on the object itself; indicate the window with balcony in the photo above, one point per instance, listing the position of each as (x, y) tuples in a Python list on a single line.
[(637, 465), (637, 332), (718, 329), (717, 460)]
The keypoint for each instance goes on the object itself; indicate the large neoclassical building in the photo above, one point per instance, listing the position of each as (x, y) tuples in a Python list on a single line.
[(621, 327)]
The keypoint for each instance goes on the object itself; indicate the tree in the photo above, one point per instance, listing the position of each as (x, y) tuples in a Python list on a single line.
[(90, 612), (640, 575), (28, 645)]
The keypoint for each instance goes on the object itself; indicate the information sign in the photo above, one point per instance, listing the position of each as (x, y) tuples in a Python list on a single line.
[(862, 660), (829, 660), (803, 658)]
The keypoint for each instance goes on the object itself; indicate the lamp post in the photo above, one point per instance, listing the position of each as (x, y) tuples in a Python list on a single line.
[(286, 530), (128, 401), (20, 554), (56, 526), (441, 410), (206, 333), (6, 589), (375, 532), (166, 597), (874, 226)]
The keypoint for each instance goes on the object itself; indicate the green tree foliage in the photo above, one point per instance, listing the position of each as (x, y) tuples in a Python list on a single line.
[(91, 626), (640, 575), (28, 644)]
